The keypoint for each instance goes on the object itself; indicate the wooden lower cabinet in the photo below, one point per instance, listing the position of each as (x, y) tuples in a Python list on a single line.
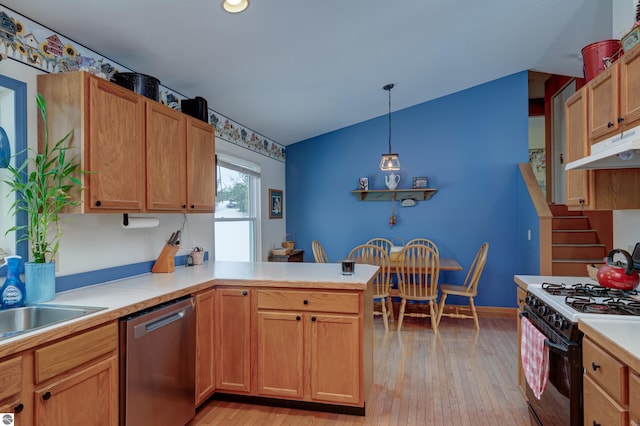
[(307, 352), (233, 339), (205, 344), (281, 354), (334, 368), (634, 400), (522, 382), (88, 397), (73, 381)]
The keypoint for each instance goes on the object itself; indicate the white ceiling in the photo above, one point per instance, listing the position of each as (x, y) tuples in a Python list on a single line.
[(294, 69)]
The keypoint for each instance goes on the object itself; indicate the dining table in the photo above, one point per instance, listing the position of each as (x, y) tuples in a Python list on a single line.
[(446, 264)]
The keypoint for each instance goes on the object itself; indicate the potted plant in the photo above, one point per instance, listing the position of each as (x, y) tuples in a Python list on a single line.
[(43, 192)]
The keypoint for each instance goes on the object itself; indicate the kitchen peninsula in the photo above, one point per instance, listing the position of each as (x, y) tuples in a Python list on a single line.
[(255, 321)]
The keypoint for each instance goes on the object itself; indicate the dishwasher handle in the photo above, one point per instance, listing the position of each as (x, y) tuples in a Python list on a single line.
[(147, 327)]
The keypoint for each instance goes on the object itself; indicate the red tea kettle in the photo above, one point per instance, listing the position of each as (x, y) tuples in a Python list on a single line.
[(618, 275)]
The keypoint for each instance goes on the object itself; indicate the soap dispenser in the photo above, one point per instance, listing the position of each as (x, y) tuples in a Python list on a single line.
[(12, 293)]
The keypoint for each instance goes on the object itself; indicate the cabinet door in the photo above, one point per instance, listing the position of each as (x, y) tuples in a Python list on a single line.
[(604, 108), (205, 371), (630, 87), (233, 339), (577, 146), (166, 158), (201, 152), (521, 295), (89, 397), (634, 399), (334, 347), (280, 354), (115, 150)]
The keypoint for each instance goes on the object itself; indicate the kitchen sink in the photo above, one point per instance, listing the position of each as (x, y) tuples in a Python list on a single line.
[(28, 318)]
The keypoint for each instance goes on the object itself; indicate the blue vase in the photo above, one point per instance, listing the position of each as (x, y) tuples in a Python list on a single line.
[(5, 149), (40, 281)]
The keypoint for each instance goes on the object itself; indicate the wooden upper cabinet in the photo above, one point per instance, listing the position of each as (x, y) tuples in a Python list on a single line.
[(201, 196), (604, 107), (630, 88), (115, 148), (141, 155), (108, 127), (577, 147), (166, 158)]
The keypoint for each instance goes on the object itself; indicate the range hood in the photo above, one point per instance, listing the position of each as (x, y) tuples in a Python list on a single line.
[(621, 151)]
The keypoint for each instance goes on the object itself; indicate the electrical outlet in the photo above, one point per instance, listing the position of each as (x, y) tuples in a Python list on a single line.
[(529, 234)]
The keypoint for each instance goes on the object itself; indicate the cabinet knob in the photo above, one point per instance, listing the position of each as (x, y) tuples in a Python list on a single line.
[(184, 206), (298, 318), (46, 396), (245, 292), (620, 120), (18, 408), (609, 124), (193, 206), (306, 302), (594, 366), (596, 423), (313, 319), (98, 203)]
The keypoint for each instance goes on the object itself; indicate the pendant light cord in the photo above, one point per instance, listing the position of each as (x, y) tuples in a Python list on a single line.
[(388, 88)]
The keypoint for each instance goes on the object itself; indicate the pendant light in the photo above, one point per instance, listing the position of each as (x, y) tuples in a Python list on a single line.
[(389, 161)]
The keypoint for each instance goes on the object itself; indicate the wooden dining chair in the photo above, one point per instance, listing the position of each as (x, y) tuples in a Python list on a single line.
[(469, 288), (375, 255), (418, 281), (425, 242), (319, 254), (382, 243)]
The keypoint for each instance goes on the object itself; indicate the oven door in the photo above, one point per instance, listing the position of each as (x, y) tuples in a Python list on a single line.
[(561, 402)]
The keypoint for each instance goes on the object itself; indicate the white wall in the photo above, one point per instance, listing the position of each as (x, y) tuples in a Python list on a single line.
[(97, 241)]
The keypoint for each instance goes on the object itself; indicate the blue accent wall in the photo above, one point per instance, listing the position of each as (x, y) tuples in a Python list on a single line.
[(467, 144)]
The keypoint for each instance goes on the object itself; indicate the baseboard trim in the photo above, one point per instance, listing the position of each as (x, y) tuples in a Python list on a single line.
[(286, 403)]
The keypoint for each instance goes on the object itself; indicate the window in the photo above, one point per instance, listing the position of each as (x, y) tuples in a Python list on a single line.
[(237, 229)]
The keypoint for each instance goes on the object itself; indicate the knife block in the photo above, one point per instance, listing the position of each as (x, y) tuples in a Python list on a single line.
[(166, 260)]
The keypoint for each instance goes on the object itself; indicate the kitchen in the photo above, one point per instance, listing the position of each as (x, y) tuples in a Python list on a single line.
[(80, 254)]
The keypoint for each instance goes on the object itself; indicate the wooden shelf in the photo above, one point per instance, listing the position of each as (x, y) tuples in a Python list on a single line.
[(398, 194)]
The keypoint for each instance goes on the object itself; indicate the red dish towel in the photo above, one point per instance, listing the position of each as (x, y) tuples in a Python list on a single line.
[(535, 358)]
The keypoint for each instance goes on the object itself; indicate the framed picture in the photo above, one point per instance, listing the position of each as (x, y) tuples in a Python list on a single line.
[(419, 182), (363, 184), (275, 203)]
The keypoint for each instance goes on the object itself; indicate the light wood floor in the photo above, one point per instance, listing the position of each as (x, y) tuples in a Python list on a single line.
[(461, 377)]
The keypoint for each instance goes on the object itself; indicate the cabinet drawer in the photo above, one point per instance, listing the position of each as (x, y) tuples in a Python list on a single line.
[(10, 377), (605, 370), (347, 303), (600, 408), (67, 354), (634, 402)]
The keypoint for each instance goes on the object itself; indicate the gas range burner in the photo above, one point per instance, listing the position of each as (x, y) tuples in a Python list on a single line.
[(611, 305), (585, 290)]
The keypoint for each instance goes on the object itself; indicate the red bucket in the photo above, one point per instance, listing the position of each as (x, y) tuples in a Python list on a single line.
[(598, 56)]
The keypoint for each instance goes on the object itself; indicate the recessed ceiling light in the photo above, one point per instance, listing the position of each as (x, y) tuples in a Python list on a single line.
[(235, 6)]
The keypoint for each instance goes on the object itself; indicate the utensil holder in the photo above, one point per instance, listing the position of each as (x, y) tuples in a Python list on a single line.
[(166, 259), (198, 257)]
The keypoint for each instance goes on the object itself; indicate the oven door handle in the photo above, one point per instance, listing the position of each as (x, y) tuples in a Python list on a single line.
[(558, 349)]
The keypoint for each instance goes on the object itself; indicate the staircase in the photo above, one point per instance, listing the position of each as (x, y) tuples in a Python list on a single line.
[(574, 243)]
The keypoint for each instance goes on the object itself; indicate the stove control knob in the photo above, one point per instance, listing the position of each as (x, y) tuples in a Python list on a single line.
[(543, 310), (558, 321)]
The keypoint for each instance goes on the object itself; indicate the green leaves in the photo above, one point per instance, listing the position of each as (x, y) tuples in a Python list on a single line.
[(45, 191)]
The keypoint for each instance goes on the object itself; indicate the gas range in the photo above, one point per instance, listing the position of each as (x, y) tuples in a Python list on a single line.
[(561, 304)]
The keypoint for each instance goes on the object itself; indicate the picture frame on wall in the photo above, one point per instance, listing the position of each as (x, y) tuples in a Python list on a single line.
[(420, 182), (276, 203)]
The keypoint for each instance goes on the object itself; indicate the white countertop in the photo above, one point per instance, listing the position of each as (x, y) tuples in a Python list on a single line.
[(133, 294)]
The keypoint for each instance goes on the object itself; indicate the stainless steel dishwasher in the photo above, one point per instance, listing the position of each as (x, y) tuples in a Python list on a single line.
[(157, 365)]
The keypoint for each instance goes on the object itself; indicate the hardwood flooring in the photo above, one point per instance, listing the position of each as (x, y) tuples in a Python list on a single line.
[(460, 377)]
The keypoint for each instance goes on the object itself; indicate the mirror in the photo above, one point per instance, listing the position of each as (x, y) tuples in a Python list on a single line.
[(13, 119)]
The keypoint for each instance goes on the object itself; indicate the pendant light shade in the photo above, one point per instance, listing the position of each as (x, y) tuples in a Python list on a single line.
[(389, 161)]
